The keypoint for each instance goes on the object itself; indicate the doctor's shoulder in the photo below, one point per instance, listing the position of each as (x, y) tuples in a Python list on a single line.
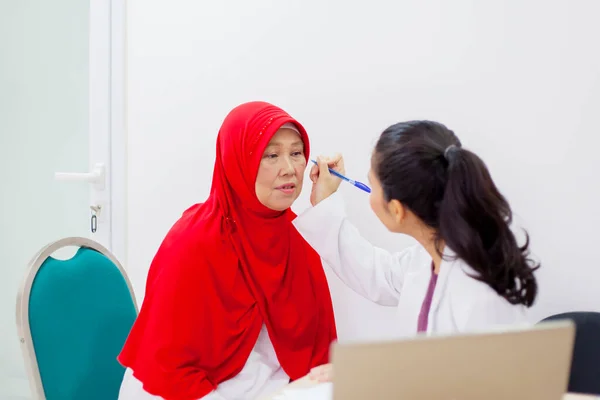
[(413, 259)]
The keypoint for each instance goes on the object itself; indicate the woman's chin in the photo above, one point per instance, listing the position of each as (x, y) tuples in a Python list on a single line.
[(281, 204)]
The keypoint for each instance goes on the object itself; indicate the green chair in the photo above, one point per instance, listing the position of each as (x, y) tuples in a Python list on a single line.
[(73, 317)]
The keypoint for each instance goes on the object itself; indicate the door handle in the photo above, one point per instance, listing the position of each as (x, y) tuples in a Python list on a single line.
[(96, 176)]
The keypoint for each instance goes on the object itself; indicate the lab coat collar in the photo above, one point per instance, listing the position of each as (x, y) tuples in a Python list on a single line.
[(448, 262)]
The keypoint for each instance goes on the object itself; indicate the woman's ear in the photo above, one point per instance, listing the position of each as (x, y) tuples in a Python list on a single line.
[(397, 211)]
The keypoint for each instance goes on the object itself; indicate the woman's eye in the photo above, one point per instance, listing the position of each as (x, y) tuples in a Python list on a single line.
[(271, 156), (297, 153)]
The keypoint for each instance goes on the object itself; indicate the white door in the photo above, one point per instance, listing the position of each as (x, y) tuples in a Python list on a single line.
[(61, 142)]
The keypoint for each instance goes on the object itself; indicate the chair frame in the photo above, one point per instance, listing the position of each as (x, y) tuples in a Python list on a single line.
[(24, 330)]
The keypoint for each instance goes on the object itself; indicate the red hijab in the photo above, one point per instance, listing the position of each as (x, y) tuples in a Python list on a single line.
[(227, 267)]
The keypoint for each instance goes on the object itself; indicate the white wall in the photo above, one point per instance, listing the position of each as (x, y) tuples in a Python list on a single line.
[(518, 81)]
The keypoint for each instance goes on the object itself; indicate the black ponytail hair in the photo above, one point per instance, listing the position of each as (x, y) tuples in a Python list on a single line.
[(423, 166)]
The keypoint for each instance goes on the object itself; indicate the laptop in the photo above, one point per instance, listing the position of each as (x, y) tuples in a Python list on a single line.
[(530, 363)]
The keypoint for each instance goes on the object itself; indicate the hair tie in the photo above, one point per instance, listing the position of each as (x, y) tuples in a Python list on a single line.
[(450, 148)]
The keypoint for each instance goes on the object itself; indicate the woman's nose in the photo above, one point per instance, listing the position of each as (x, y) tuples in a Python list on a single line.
[(288, 166)]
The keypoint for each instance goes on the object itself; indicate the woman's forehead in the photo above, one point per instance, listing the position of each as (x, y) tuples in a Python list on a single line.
[(286, 136)]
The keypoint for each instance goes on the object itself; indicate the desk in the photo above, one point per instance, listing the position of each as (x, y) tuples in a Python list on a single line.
[(305, 382)]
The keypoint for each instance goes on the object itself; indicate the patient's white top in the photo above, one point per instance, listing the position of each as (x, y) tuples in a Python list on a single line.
[(261, 376)]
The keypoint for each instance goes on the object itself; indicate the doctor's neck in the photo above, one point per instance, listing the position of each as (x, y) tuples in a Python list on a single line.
[(435, 247)]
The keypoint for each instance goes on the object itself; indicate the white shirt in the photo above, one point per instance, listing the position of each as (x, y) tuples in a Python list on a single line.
[(460, 303), (261, 376)]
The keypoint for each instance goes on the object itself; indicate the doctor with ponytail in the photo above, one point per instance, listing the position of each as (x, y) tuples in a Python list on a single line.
[(467, 273)]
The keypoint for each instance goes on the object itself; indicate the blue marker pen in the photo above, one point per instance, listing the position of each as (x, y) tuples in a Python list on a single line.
[(359, 185)]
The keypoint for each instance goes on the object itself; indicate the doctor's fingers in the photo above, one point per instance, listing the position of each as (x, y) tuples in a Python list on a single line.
[(320, 170), (336, 162), (314, 173)]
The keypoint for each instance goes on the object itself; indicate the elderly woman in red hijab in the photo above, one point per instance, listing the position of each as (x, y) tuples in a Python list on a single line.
[(237, 303)]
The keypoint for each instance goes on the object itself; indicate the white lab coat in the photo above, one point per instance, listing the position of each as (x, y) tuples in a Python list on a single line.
[(460, 303)]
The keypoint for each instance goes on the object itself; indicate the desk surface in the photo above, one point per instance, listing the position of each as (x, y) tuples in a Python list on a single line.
[(305, 382)]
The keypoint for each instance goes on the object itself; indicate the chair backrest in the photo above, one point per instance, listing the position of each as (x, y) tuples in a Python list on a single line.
[(585, 364), (73, 317)]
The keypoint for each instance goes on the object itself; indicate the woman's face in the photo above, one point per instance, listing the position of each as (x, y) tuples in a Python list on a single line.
[(281, 170)]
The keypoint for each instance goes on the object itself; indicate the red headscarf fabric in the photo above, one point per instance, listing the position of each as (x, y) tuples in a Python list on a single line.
[(225, 268)]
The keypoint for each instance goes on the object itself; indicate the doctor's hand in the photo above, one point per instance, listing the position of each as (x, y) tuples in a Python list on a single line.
[(322, 373), (324, 183)]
